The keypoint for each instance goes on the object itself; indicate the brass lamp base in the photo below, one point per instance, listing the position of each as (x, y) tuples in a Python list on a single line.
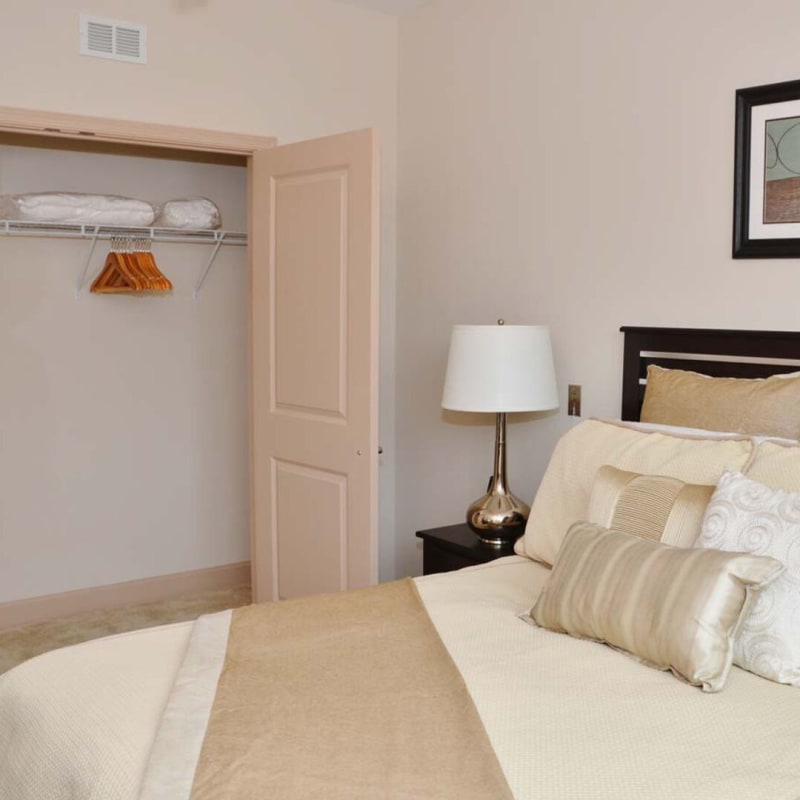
[(498, 518)]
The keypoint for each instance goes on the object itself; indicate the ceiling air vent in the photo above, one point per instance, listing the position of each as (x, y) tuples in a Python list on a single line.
[(110, 38)]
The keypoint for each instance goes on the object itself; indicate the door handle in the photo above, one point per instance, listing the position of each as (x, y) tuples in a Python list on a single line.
[(380, 451)]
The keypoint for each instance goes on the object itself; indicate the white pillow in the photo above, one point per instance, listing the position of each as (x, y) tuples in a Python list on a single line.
[(563, 495), (679, 430), (747, 516)]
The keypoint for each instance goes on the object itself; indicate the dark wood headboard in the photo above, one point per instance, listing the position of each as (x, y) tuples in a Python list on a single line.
[(730, 354)]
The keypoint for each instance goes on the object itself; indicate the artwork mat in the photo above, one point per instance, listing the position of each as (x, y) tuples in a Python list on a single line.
[(759, 116)]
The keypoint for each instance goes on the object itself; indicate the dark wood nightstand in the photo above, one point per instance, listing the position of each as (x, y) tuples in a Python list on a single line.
[(456, 546)]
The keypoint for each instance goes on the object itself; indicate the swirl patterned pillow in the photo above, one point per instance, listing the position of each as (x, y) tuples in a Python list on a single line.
[(747, 516)]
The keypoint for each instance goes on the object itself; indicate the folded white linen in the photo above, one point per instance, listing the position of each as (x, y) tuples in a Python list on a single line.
[(78, 208), (190, 212)]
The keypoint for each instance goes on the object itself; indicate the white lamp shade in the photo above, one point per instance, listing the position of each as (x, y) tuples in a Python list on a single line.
[(500, 368)]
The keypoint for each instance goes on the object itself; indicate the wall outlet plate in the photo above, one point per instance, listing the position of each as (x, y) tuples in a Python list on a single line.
[(574, 400)]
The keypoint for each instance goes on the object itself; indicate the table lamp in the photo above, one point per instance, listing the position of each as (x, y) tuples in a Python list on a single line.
[(499, 369)]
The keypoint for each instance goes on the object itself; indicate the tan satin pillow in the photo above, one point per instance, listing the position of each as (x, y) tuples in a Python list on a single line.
[(656, 507), (672, 608), (761, 407)]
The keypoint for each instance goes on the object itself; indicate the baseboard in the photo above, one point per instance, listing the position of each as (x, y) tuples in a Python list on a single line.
[(102, 598)]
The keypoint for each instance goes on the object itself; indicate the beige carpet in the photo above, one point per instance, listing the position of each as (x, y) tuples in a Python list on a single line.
[(20, 644)]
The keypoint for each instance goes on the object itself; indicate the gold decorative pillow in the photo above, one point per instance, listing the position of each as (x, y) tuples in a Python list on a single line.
[(761, 406), (565, 489), (656, 507), (668, 606)]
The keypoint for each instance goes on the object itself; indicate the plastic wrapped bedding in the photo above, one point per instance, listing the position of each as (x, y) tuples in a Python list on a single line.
[(567, 718), (190, 212), (77, 208)]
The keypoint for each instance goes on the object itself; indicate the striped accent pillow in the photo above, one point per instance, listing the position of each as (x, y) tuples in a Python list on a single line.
[(654, 507), (672, 608)]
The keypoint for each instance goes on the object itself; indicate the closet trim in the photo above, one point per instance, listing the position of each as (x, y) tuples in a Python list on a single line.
[(101, 129)]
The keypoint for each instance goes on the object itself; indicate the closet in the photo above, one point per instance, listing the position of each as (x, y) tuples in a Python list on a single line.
[(234, 418)]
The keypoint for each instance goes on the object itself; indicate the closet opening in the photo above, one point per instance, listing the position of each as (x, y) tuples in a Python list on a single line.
[(124, 419)]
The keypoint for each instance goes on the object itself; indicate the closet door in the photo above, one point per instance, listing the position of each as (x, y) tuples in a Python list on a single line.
[(314, 250)]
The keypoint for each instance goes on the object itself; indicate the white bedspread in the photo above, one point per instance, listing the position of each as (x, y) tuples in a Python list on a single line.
[(569, 719), (78, 723)]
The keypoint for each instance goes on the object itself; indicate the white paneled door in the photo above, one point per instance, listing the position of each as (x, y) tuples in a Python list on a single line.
[(314, 250)]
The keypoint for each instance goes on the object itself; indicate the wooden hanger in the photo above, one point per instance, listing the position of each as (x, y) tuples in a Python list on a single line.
[(146, 261), (130, 268)]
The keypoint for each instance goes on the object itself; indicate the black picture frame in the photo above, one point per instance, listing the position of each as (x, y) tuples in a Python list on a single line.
[(746, 139)]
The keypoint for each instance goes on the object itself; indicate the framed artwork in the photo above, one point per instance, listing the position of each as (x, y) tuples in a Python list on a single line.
[(766, 190)]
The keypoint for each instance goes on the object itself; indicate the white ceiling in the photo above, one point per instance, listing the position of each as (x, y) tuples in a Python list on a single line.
[(394, 7)]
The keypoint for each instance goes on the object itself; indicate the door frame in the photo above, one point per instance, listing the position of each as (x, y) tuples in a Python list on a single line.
[(146, 134)]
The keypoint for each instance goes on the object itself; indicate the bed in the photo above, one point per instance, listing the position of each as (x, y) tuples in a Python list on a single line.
[(562, 717)]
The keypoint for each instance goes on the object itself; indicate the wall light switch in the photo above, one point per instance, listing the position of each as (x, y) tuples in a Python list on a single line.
[(574, 400)]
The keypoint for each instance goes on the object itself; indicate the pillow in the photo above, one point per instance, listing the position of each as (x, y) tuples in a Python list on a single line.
[(679, 430), (777, 465), (563, 495), (747, 516), (672, 608), (758, 406), (649, 506)]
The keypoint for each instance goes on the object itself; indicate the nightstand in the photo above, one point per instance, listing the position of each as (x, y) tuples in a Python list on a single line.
[(456, 546)]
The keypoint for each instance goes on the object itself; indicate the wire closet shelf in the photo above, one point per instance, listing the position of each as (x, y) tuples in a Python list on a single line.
[(63, 230), (14, 227)]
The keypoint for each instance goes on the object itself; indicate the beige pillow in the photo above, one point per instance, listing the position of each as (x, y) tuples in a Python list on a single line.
[(762, 406), (563, 495), (747, 516), (671, 607), (649, 506), (777, 465)]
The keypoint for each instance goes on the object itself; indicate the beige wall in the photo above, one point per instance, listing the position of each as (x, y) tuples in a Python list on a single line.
[(567, 163), (561, 163), (293, 69)]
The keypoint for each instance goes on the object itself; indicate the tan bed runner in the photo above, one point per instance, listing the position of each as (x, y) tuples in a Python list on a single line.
[(348, 696)]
